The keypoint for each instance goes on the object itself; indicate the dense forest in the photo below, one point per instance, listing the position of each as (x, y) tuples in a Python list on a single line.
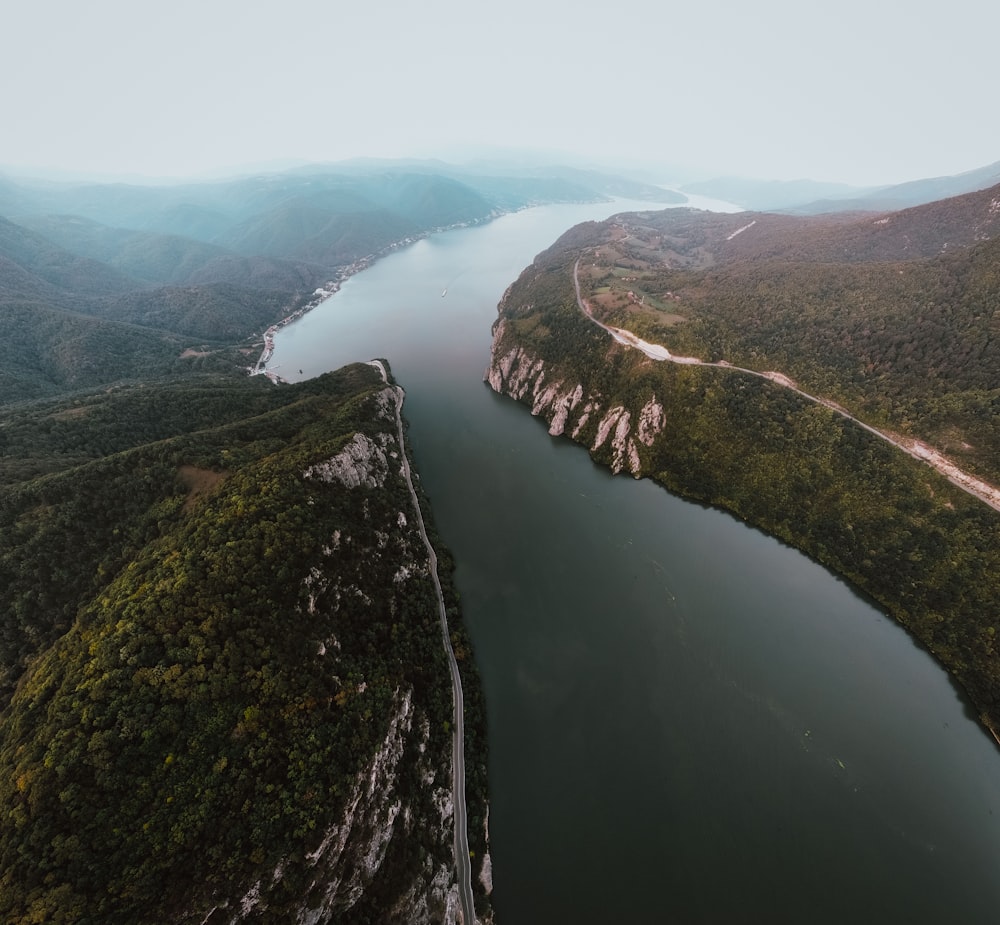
[(204, 650), (902, 341), (893, 316)]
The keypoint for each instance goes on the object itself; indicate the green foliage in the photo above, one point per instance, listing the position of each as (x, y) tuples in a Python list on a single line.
[(147, 257), (200, 648), (51, 266), (54, 351), (213, 312), (891, 317)]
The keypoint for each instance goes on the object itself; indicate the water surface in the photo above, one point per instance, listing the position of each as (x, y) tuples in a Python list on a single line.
[(689, 722)]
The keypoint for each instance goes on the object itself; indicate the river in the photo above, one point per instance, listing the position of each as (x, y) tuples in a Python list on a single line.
[(688, 721)]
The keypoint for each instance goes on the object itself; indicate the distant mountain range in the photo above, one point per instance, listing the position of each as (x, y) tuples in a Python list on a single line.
[(809, 197), (106, 281)]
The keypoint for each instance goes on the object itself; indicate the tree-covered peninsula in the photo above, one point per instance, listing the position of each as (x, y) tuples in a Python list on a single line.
[(225, 696), (888, 317)]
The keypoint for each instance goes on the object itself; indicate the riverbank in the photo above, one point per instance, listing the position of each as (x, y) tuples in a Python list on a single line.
[(332, 286), (811, 478), (463, 860), (630, 642), (319, 296)]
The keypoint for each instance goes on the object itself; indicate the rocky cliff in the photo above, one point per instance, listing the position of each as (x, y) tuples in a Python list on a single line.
[(614, 432), (401, 796)]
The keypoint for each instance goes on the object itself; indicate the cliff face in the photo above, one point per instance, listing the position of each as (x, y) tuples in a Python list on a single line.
[(618, 434), (401, 796)]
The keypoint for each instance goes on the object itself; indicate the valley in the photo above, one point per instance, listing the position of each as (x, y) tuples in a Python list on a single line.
[(215, 593), (670, 692), (508, 464)]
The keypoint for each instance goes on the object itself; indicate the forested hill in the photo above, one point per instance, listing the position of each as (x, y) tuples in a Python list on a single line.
[(71, 322), (223, 687), (893, 317), (321, 217), (101, 283)]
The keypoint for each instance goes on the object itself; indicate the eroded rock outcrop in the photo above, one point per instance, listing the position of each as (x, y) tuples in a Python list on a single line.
[(569, 409), (362, 462)]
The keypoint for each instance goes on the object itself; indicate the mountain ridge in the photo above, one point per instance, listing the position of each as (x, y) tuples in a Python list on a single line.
[(810, 197)]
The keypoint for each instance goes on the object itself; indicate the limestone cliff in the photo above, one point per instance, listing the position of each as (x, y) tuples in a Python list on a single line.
[(401, 795), (617, 434)]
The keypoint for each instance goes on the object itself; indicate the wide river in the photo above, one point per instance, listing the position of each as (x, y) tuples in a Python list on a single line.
[(688, 721)]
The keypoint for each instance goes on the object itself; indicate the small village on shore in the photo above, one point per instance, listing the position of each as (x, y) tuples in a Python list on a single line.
[(319, 295)]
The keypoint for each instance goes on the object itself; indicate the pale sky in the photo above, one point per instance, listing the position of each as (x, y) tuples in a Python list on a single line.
[(860, 91)]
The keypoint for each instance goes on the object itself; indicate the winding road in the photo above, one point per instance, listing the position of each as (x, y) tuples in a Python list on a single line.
[(973, 486), (463, 863)]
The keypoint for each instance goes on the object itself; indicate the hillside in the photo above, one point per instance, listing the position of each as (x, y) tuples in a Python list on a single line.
[(73, 322), (911, 193), (223, 691), (333, 214), (57, 267), (772, 195), (891, 316), (222, 678), (53, 352), (102, 283), (872, 314), (146, 257)]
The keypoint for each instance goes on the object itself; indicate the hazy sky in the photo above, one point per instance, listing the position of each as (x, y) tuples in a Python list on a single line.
[(864, 91)]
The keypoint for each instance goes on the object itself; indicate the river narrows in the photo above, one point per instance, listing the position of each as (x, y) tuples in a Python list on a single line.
[(688, 721)]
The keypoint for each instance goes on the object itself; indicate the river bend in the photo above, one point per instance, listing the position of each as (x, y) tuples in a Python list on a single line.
[(688, 721)]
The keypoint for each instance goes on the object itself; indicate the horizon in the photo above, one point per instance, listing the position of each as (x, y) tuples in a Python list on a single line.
[(861, 96), (223, 174)]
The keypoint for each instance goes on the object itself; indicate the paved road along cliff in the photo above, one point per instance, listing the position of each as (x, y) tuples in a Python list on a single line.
[(463, 865)]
